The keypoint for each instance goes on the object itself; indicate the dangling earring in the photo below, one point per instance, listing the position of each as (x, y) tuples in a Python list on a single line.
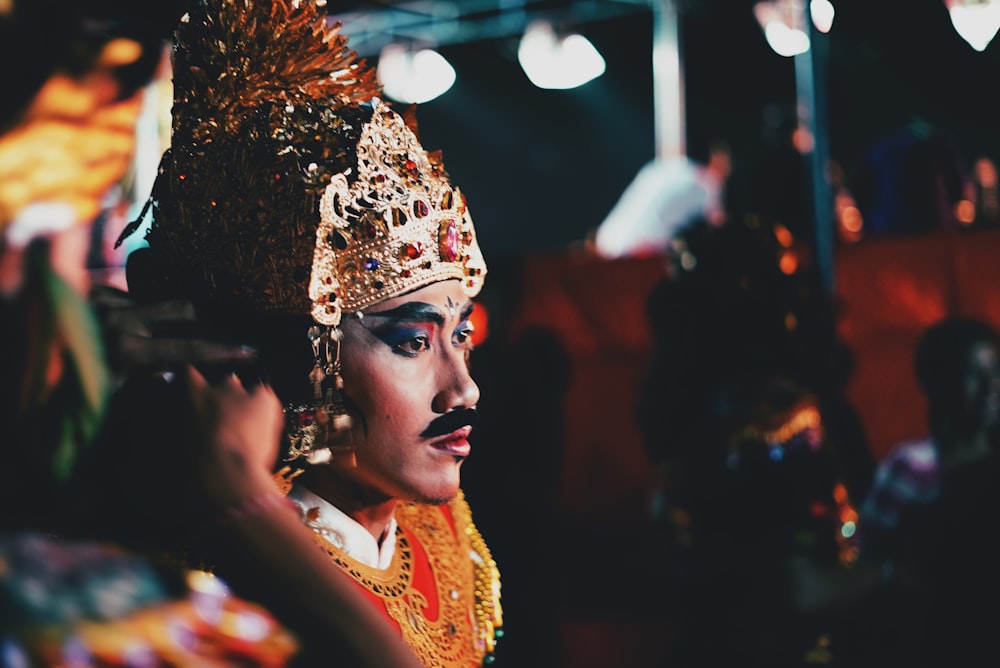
[(339, 436), (321, 431)]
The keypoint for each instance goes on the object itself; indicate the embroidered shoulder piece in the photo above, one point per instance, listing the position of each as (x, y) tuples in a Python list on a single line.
[(489, 613), (466, 584)]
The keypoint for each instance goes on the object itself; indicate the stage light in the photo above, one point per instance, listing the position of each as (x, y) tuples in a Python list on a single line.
[(976, 21), (557, 62), (413, 76), (822, 13), (783, 25)]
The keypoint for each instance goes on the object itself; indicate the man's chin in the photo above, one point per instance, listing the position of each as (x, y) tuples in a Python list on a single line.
[(438, 497)]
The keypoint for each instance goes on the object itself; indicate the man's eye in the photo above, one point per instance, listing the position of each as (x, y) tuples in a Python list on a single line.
[(464, 334), (414, 345)]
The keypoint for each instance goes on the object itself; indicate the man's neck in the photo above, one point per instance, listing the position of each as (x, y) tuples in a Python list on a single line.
[(373, 511)]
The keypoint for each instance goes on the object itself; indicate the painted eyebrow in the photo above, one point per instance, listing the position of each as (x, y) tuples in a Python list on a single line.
[(411, 312), (420, 312)]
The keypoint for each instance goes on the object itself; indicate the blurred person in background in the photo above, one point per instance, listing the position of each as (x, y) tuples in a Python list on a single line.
[(910, 181), (770, 564), (957, 368), (760, 459), (933, 501), (665, 198)]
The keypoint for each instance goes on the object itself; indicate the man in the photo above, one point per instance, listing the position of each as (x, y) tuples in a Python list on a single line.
[(665, 199), (956, 364), (933, 500), (303, 216)]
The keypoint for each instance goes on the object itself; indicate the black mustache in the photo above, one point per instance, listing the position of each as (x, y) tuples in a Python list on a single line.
[(450, 421)]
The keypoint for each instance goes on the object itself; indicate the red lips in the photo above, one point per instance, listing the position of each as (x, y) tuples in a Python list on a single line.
[(456, 443)]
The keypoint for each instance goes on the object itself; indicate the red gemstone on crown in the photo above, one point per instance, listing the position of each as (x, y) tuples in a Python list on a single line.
[(448, 238), (414, 250)]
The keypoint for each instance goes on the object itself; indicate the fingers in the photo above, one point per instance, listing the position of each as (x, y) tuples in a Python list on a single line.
[(194, 378), (233, 381), (199, 384), (230, 383)]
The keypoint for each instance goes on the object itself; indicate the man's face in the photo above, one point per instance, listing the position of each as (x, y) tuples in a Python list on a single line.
[(405, 365)]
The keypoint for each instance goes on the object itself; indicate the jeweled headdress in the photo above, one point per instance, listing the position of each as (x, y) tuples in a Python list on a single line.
[(289, 185)]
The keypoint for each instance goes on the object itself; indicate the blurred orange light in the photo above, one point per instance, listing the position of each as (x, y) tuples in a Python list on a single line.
[(784, 237), (789, 263), (803, 140), (986, 172), (851, 220), (840, 493), (965, 212), (480, 320), (848, 514)]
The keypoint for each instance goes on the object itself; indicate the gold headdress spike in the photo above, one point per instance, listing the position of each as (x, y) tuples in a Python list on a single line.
[(290, 186)]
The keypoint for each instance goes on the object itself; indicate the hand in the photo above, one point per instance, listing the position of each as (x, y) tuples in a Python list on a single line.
[(236, 436)]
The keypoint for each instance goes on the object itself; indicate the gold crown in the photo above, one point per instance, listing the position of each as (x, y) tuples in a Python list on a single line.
[(289, 185), (400, 225)]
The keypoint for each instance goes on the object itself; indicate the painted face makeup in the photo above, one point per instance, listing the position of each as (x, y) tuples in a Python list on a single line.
[(405, 369), (409, 328)]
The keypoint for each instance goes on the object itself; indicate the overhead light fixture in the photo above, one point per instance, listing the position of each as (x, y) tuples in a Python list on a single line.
[(822, 12), (783, 23), (976, 21), (411, 76), (556, 62)]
